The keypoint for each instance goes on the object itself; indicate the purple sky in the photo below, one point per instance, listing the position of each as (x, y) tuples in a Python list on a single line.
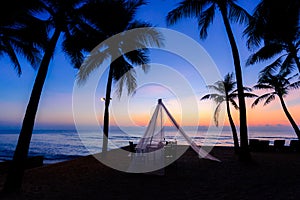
[(56, 103)]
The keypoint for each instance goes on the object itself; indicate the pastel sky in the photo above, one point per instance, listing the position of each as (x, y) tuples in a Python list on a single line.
[(56, 105)]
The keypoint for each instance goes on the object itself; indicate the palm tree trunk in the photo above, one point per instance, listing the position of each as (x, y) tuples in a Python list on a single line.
[(233, 129), (244, 149), (106, 111), (15, 175), (289, 116)]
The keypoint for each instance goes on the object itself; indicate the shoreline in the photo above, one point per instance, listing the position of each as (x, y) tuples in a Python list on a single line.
[(271, 175)]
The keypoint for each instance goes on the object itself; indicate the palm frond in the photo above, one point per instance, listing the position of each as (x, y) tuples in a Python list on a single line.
[(217, 113), (295, 85), (205, 97), (205, 20), (128, 79), (254, 37), (246, 89), (260, 99), (272, 68), (13, 57), (93, 60), (261, 86), (124, 73), (265, 53), (269, 99), (234, 104), (233, 95), (250, 95), (139, 57), (217, 88), (73, 49), (237, 14), (186, 9), (141, 38), (292, 76), (132, 6), (288, 64), (216, 97)]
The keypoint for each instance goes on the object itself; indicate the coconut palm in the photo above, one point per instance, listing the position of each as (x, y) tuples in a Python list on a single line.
[(17, 36), (121, 69), (277, 25), (62, 18), (204, 11), (226, 92), (278, 85)]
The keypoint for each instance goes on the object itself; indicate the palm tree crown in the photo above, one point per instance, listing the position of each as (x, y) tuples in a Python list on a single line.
[(21, 33), (226, 92), (278, 85), (277, 25), (125, 51)]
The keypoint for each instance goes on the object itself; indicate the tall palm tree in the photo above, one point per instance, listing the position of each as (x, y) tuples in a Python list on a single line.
[(278, 85), (63, 17), (17, 36), (204, 11), (226, 92), (276, 24), (121, 69)]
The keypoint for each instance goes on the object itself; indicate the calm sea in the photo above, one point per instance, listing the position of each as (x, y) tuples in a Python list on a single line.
[(61, 145)]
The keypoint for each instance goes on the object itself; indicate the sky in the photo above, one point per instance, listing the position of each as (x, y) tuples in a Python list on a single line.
[(170, 77)]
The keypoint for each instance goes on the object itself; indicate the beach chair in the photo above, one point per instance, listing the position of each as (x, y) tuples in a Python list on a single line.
[(254, 145), (264, 145), (279, 145), (294, 146)]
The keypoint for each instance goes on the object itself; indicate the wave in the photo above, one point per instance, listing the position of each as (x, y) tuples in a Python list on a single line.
[(61, 145)]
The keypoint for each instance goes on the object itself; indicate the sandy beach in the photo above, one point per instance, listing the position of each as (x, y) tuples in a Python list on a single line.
[(271, 175)]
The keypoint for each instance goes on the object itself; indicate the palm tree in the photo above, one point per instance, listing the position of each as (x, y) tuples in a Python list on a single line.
[(122, 15), (278, 85), (63, 18), (204, 11), (277, 25), (18, 38), (226, 92)]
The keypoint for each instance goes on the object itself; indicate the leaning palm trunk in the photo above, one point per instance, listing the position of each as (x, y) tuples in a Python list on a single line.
[(244, 149), (233, 129), (16, 172), (106, 111), (289, 116)]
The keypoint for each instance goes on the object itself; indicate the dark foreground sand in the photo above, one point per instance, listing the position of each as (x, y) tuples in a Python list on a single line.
[(271, 175)]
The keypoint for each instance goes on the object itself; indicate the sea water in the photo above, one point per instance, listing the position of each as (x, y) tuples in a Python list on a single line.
[(61, 145)]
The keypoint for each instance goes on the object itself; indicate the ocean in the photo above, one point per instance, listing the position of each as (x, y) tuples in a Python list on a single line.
[(61, 145)]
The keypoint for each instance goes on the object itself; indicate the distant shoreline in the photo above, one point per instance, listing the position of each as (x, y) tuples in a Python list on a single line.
[(267, 127), (61, 145)]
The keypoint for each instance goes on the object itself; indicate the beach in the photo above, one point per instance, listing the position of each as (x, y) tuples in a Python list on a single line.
[(271, 175)]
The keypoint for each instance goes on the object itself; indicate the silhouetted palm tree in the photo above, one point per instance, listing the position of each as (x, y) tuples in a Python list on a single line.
[(278, 85), (277, 25), (62, 17), (204, 11), (226, 92), (122, 18), (17, 36)]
